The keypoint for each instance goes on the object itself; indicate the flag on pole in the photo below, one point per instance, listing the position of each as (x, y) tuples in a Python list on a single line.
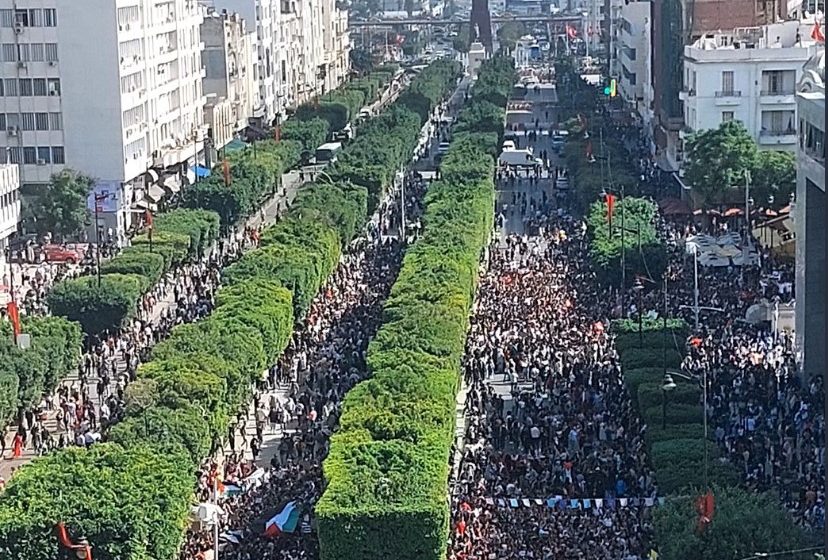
[(66, 542), (817, 34), (705, 506), (610, 208), (225, 170), (283, 522), (14, 316)]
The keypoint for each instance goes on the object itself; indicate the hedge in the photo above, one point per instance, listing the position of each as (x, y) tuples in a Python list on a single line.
[(674, 431), (679, 327), (98, 309), (636, 358), (388, 467), (649, 339), (133, 260), (645, 254), (196, 380), (25, 375), (310, 134), (677, 413), (132, 504), (650, 394), (200, 226), (679, 466)]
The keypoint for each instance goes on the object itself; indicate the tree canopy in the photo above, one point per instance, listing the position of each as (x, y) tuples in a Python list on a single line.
[(62, 210)]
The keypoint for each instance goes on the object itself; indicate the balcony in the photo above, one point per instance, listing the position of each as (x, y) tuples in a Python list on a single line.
[(687, 93), (778, 96), (728, 97), (729, 93), (777, 137)]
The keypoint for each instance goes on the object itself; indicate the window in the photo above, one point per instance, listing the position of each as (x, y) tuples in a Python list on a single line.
[(51, 52), (9, 52), (55, 121), (13, 120), (37, 52), (6, 18), (26, 87), (284, 72), (727, 116), (21, 17), (727, 81), (50, 17), (2, 121), (57, 155), (778, 122), (54, 86), (23, 52), (14, 154), (28, 120), (36, 17), (29, 154), (10, 85), (42, 121), (44, 154), (40, 87)]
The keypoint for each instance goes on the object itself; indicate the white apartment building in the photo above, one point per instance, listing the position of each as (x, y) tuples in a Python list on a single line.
[(229, 58), (112, 89), (633, 62), (9, 213), (809, 217), (750, 75)]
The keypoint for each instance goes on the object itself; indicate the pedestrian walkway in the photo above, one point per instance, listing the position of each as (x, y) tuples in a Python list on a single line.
[(270, 210)]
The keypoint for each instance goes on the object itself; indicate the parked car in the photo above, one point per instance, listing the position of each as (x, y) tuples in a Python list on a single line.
[(63, 253)]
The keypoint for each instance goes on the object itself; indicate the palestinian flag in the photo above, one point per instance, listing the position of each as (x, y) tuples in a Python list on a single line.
[(285, 521)]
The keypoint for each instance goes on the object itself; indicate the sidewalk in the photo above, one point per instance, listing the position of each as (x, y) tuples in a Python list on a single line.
[(271, 209)]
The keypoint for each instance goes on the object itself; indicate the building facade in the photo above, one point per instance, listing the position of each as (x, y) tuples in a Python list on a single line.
[(9, 213), (634, 70), (125, 108), (748, 75), (229, 86), (810, 217)]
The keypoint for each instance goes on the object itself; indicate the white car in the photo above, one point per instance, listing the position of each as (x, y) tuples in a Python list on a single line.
[(508, 145)]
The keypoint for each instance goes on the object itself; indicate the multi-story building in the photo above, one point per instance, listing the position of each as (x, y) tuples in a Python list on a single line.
[(677, 23), (634, 71), (809, 217), (748, 75), (9, 213), (229, 57), (112, 89)]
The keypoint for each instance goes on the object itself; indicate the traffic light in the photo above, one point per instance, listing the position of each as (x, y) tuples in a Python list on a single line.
[(611, 90)]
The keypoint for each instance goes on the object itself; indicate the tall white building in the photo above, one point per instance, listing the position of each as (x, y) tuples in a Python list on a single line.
[(229, 58), (633, 62), (9, 213), (749, 75), (112, 89), (809, 217)]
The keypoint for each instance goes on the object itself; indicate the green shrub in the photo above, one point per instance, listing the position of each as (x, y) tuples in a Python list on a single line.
[(651, 394), (98, 309), (201, 226), (633, 378), (649, 339), (674, 431), (636, 358), (141, 262), (131, 504), (677, 326), (179, 243), (309, 133), (169, 430), (677, 413), (388, 468)]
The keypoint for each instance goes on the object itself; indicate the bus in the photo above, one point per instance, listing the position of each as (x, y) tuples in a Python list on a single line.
[(326, 153)]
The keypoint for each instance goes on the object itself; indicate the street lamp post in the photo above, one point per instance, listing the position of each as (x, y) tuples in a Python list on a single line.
[(696, 307), (638, 287), (669, 385)]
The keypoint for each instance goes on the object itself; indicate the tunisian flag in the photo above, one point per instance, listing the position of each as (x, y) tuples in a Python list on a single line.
[(14, 316), (610, 208), (705, 506), (66, 542), (816, 33)]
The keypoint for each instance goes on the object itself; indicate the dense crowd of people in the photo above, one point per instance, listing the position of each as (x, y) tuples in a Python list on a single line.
[(300, 397), (81, 409)]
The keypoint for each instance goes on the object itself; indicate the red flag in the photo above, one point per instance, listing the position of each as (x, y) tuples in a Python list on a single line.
[(225, 169), (14, 316), (63, 537), (816, 33), (461, 527), (705, 507), (148, 218), (696, 341), (610, 208)]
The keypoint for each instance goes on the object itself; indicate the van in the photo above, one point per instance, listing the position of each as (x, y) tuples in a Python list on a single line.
[(326, 153)]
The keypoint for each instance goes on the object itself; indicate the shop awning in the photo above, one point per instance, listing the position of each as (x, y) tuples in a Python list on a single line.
[(234, 145), (172, 183), (154, 193), (200, 171)]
